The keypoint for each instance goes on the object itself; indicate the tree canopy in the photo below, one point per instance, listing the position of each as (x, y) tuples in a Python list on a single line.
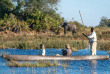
[(5, 7), (38, 14), (28, 6), (105, 22)]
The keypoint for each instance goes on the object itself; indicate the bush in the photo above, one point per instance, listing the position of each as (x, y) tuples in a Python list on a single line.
[(22, 45), (12, 24)]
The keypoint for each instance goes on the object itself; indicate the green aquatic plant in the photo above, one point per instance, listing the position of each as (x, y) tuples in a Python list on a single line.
[(13, 63)]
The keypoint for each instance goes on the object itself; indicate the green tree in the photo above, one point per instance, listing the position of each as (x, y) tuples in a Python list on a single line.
[(45, 5), (105, 22), (39, 14), (5, 7), (10, 6)]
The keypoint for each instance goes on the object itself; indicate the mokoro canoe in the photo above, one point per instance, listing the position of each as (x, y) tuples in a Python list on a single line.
[(36, 57)]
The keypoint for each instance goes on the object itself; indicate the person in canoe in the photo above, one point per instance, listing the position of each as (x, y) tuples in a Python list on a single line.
[(42, 47), (93, 41), (67, 51)]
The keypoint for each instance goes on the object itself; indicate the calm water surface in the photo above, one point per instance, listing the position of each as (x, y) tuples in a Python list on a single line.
[(65, 67)]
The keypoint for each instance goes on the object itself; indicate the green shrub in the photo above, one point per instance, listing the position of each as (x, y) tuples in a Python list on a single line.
[(22, 46)]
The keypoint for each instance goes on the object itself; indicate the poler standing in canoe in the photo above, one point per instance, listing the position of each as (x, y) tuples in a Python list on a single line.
[(93, 41)]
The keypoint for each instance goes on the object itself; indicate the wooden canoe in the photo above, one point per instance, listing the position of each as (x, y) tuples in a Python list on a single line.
[(36, 57)]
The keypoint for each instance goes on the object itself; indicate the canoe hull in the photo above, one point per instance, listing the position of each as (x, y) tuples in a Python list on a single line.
[(36, 57)]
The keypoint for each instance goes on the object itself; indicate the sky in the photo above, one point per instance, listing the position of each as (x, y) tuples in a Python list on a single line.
[(91, 10)]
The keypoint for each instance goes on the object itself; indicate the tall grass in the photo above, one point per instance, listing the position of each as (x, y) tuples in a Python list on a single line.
[(32, 40)]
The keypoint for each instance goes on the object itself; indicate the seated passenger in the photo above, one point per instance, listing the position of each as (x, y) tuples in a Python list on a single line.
[(67, 51), (42, 47)]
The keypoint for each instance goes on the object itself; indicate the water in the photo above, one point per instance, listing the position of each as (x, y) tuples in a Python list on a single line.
[(65, 67)]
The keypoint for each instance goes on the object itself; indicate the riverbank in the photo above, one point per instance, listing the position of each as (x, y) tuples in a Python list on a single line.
[(32, 40)]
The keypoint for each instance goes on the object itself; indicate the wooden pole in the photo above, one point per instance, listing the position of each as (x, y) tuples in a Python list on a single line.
[(35, 57), (81, 17)]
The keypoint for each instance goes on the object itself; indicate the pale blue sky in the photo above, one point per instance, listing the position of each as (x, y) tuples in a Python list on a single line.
[(91, 10)]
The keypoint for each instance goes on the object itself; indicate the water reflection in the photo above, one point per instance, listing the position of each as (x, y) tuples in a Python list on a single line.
[(93, 66)]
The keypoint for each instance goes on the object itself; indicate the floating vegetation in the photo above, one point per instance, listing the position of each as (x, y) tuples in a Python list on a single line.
[(13, 63)]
